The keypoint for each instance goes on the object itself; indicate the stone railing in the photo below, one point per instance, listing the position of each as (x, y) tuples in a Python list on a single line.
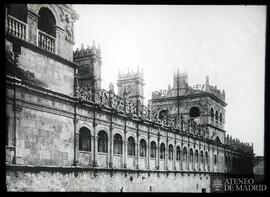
[(197, 89), (46, 41), (162, 94), (237, 144), (16, 27), (88, 91)]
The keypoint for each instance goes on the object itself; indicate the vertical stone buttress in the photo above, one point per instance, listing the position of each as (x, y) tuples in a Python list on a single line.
[(18, 155), (158, 150), (137, 147), (111, 144), (125, 145), (95, 138), (166, 153), (148, 149), (174, 154)]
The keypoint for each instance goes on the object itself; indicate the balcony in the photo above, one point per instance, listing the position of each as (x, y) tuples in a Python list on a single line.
[(46, 41), (19, 29), (16, 27)]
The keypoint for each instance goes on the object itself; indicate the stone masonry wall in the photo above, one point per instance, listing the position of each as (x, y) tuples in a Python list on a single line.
[(45, 138), (106, 181), (56, 76)]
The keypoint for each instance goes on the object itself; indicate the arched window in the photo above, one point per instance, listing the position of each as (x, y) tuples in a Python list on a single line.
[(185, 154), (181, 121), (178, 153), (84, 139), (196, 156), (201, 156), (220, 117), (206, 157), (190, 155), (162, 151), (212, 114), (170, 152), (153, 150), (102, 142), (117, 144), (46, 30), (216, 116), (46, 22), (215, 159), (142, 148), (194, 112), (131, 146)]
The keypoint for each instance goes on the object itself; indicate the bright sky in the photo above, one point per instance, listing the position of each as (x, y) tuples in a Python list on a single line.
[(225, 42)]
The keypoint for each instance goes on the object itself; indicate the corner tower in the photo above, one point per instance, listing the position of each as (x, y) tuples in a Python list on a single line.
[(131, 84), (89, 61)]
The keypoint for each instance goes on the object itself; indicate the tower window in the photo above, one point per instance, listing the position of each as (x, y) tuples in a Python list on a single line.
[(212, 114), (162, 114), (220, 117), (194, 112), (216, 116)]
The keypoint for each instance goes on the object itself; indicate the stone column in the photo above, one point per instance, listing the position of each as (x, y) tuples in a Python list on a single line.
[(95, 144), (188, 157), (174, 155), (125, 147), (17, 140), (181, 156), (166, 153), (148, 150), (158, 151), (110, 151), (76, 137), (137, 149), (32, 25)]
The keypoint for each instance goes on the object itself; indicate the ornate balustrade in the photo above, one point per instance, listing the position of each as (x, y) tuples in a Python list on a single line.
[(46, 41), (16, 27), (89, 91), (197, 89)]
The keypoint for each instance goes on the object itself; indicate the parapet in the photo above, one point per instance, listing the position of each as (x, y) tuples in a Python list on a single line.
[(92, 51), (189, 90), (131, 74), (237, 144)]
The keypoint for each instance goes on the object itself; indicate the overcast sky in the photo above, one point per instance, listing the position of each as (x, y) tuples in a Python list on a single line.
[(227, 43)]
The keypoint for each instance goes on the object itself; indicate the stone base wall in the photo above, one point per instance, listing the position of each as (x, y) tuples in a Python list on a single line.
[(27, 178)]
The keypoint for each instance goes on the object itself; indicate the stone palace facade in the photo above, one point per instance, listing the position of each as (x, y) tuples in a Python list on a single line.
[(65, 133)]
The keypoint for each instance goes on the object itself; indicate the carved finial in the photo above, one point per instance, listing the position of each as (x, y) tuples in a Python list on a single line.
[(111, 87), (207, 80)]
